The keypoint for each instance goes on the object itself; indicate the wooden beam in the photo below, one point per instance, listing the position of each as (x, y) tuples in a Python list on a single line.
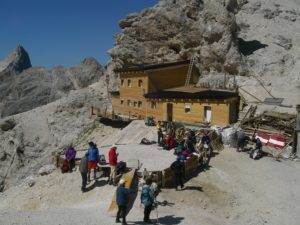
[(251, 95)]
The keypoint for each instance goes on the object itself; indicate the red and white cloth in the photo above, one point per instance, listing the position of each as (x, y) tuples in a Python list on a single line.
[(276, 141), (272, 140)]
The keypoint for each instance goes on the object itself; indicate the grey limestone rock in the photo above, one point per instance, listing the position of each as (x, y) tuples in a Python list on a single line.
[(177, 30), (7, 125), (17, 61), (23, 87), (46, 170)]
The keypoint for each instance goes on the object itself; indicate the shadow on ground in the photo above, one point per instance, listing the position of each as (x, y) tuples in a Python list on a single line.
[(165, 203), (165, 220), (96, 183), (249, 47), (193, 188)]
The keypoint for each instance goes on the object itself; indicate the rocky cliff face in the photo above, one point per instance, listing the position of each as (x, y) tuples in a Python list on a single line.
[(259, 39), (24, 87), (176, 30), (269, 37)]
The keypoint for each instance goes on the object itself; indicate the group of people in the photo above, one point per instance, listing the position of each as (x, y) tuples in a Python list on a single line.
[(89, 162), (69, 162), (242, 140), (147, 200), (166, 135)]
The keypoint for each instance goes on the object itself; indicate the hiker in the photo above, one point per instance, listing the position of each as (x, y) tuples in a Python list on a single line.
[(192, 137), (257, 152), (177, 167), (147, 199), (159, 133), (179, 148), (70, 157), (189, 145), (113, 161), (172, 130), (121, 199), (93, 159), (240, 140), (83, 168), (169, 143), (205, 140)]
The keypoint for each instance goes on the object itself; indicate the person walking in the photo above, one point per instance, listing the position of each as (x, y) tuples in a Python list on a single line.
[(121, 199), (177, 168), (83, 168), (113, 161), (93, 159), (147, 199)]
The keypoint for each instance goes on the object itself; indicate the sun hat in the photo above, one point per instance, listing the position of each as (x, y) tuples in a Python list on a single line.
[(122, 181)]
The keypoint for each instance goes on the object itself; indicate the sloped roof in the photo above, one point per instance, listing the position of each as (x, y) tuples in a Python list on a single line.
[(191, 93), (152, 66)]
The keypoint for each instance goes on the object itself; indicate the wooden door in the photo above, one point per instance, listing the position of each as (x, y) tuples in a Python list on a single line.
[(170, 112)]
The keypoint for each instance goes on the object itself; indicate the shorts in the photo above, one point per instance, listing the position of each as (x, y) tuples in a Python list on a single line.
[(92, 165)]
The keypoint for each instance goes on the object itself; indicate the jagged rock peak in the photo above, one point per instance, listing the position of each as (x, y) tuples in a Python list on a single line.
[(90, 61), (17, 61)]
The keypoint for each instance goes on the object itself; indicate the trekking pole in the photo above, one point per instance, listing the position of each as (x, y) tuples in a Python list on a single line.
[(156, 206)]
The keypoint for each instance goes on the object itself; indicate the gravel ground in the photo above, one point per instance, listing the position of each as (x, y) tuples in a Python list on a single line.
[(235, 190)]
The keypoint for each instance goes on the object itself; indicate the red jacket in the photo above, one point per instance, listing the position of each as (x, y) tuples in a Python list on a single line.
[(112, 157)]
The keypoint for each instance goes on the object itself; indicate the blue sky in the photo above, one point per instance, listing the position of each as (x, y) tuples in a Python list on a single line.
[(63, 32)]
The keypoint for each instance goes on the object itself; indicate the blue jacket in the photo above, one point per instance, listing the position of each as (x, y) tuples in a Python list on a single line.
[(93, 154), (147, 196), (122, 193)]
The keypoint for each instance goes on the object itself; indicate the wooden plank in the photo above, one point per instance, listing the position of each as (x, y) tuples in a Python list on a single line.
[(191, 164), (168, 178), (128, 177)]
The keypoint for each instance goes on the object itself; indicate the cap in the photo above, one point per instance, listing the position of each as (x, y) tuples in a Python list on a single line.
[(114, 146), (122, 181)]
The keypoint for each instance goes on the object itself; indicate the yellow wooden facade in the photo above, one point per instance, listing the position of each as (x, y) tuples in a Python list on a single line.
[(223, 111), (130, 101)]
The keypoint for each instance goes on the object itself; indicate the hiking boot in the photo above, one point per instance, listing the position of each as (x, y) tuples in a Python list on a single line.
[(124, 223), (148, 221), (118, 221)]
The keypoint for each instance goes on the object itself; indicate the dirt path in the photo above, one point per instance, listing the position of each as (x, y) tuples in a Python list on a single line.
[(235, 190)]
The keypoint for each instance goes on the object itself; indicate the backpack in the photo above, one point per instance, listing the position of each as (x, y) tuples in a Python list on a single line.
[(102, 160), (121, 167), (146, 196), (65, 167)]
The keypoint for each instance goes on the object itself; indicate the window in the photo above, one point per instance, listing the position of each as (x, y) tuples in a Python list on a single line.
[(122, 82), (122, 102), (128, 103), (135, 104), (129, 83), (153, 105), (187, 108), (140, 83), (139, 104)]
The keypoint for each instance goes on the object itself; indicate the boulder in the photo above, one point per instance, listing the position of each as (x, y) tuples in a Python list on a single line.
[(46, 170), (7, 125)]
